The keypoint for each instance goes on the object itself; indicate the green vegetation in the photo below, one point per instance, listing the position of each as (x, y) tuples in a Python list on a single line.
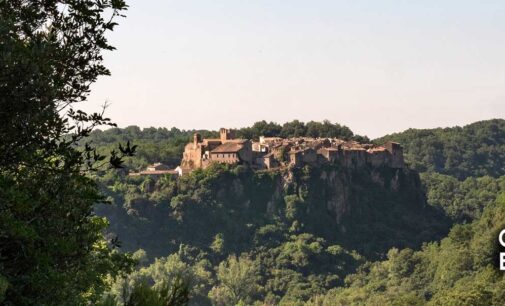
[(325, 236), (474, 150), (154, 144), (52, 246), (285, 253), (296, 233), (297, 128), (462, 201), (460, 270), (225, 235)]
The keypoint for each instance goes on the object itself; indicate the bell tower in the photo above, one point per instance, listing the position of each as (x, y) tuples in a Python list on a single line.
[(226, 134)]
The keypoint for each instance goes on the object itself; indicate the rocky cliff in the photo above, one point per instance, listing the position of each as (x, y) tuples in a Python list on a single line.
[(362, 208)]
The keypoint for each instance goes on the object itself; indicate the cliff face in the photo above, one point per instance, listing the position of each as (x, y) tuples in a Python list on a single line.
[(348, 205), (362, 208), (338, 191), (350, 193)]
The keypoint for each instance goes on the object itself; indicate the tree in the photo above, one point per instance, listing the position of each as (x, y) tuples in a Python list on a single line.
[(238, 278), (176, 294), (477, 149), (294, 128), (52, 250)]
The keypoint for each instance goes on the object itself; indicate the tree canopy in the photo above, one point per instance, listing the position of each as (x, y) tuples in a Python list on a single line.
[(477, 149), (52, 248)]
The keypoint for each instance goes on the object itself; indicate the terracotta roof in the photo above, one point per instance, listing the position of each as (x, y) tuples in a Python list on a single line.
[(228, 147)]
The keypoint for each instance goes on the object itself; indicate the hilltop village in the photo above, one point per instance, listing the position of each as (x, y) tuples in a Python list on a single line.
[(275, 152)]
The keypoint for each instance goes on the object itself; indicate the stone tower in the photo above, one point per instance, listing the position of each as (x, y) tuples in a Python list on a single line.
[(197, 138), (396, 151), (226, 134)]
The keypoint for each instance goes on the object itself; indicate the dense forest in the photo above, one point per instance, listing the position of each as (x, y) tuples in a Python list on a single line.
[(459, 270), (293, 225), (290, 238), (473, 150)]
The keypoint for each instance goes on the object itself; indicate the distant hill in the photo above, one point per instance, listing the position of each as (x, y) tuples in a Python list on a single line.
[(477, 149)]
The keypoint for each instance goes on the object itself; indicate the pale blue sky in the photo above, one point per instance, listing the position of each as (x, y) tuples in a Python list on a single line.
[(375, 66)]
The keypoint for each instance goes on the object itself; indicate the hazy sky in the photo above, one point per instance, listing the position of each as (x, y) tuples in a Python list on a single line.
[(375, 66)]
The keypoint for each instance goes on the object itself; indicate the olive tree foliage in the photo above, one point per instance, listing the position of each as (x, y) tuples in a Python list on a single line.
[(52, 250)]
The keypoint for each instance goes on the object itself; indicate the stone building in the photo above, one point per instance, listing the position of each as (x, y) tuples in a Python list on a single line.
[(354, 156), (275, 152), (202, 152), (378, 156), (396, 151), (232, 152), (330, 154), (269, 161)]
